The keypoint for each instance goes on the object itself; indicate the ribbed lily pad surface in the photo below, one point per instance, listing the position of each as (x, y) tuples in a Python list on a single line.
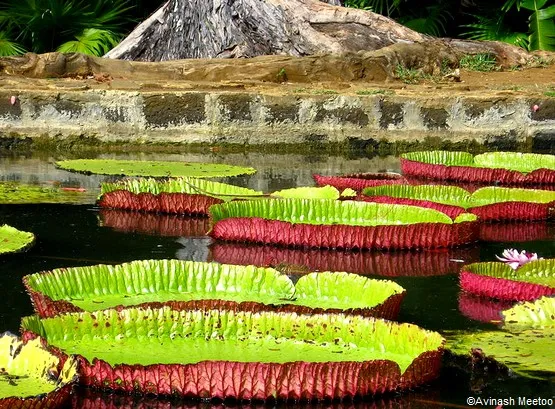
[(493, 167), (339, 224), (153, 168), (359, 181), (328, 212), (499, 280), (192, 186), (225, 353), (177, 196), (308, 192), (29, 375), (488, 203), (189, 284), (539, 313), (12, 239)]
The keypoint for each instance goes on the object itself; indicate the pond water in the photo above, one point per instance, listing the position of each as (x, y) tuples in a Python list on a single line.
[(82, 234)]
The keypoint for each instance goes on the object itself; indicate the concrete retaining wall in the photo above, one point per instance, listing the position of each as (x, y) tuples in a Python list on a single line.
[(252, 118)]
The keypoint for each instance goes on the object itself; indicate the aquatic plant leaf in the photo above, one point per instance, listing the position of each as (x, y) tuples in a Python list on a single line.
[(226, 353), (499, 280), (521, 162), (192, 196), (449, 195), (359, 181), (153, 168), (306, 192), (12, 239), (527, 352), (494, 167), (188, 284), (497, 194), (338, 224), (328, 212), (15, 193), (29, 375), (343, 290), (189, 185), (103, 286), (539, 313)]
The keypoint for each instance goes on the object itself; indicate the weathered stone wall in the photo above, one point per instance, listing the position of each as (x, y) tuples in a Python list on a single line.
[(258, 118)]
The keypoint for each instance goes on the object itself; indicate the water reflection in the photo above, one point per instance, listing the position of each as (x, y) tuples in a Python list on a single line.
[(386, 264)]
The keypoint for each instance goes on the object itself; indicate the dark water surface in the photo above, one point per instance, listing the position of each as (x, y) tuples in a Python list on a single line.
[(76, 235)]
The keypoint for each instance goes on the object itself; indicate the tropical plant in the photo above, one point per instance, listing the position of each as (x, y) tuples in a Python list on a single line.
[(63, 25)]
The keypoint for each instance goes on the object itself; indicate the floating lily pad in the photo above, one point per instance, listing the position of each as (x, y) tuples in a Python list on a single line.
[(14, 193), (493, 167), (29, 375), (489, 203), (12, 240), (528, 352), (359, 181), (306, 192), (188, 284), (179, 196), (539, 313), (526, 344), (244, 355), (153, 168), (339, 224), (499, 280)]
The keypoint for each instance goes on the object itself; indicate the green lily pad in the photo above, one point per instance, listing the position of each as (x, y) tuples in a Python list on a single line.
[(521, 162), (538, 313), (153, 168), (135, 336), (526, 352), (535, 272), (327, 212), (97, 287), (516, 161), (456, 196), (526, 344), (187, 185), (306, 192), (12, 239), (14, 193), (28, 372)]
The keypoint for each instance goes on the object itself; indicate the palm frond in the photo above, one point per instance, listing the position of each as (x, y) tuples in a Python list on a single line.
[(8, 47), (494, 29), (433, 23), (92, 41)]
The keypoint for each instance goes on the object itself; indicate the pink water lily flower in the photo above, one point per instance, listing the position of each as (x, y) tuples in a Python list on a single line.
[(515, 259)]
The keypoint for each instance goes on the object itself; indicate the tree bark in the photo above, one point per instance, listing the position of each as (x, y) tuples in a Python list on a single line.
[(247, 28)]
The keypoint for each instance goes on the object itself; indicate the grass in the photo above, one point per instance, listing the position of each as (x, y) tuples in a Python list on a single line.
[(374, 92), (549, 93), (479, 62), (409, 75)]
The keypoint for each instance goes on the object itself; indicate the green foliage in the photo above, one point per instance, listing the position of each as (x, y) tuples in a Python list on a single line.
[(9, 47), (43, 26), (479, 62), (12, 239), (409, 75)]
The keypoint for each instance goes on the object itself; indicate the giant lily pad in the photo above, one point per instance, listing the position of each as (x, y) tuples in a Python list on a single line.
[(489, 203), (244, 355), (12, 239), (526, 344), (297, 262), (494, 167), (339, 224), (359, 181), (29, 375), (179, 195), (186, 284), (153, 168), (307, 192), (499, 280), (15, 193)]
